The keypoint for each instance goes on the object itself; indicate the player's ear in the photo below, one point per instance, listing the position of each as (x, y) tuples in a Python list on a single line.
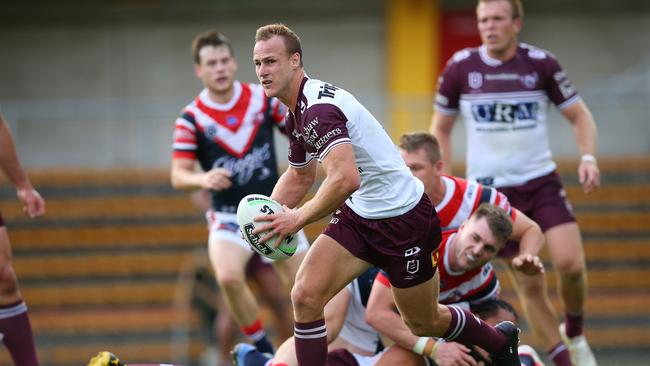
[(197, 70), (295, 60), (439, 167), (518, 24)]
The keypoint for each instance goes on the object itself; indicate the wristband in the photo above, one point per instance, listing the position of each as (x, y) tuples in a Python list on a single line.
[(420, 344), (588, 157), (436, 345)]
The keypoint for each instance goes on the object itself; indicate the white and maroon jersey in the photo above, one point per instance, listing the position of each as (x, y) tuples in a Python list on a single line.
[(504, 106), (473, 286), (327, 116), (236, 136), (462, 198), (459, 288), (355, 329)]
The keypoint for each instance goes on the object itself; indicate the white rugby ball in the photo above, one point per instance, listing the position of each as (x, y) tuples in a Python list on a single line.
[(255, 205)]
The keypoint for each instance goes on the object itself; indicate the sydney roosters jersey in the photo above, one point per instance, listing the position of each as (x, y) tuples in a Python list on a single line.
[(327, 116), (474, 286), (462, 198), (504, 106), (236, 136)]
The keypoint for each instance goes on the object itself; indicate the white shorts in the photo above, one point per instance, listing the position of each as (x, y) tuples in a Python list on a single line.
[(367, 360), (223, 226)]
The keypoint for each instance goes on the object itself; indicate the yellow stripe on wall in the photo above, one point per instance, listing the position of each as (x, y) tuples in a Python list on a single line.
[(413, 49)]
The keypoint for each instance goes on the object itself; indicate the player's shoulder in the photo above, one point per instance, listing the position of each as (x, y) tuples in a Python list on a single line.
[(319, 91), (464, 55), (535, 54)]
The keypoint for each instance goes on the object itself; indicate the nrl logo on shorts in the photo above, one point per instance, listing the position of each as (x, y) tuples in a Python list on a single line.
[(475, 80), (413, 266)]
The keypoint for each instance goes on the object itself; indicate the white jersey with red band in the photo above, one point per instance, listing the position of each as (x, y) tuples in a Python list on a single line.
[(504, 106)]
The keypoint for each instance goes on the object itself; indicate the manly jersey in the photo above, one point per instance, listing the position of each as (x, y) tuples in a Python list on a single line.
[(355, 329), (236, 136), (504, 106), (327, 116), (462, 198), (473, 286)]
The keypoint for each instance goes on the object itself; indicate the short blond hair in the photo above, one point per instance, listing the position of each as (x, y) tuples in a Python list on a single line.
[(290, 38), (515, 5)]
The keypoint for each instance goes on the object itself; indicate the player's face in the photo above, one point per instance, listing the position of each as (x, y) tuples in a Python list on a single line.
[(422, 168), (497, 28), (274, 67), (474, 244), (216, 69)]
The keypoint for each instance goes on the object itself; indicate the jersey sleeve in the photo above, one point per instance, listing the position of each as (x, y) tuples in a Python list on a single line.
[(184, 145), (449, 88), (559, 88), (326, 128)]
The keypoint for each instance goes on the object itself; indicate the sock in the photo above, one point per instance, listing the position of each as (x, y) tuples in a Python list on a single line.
[(255, 359), (311, 343), (468, 329), (17, 334), (573, 324), (258, 335), (559, 354)]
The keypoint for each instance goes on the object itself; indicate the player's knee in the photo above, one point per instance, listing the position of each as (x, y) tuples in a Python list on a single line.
[(572, 266), (421, 328), (305, 299), (8, 281), (231, 281)]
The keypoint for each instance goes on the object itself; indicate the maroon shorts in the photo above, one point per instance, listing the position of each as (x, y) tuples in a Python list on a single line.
[(401, 246), (542, 199), (2, 221)]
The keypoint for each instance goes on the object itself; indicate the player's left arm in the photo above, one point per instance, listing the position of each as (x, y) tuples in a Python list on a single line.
[(531, 240), (342, 179), (586, 135)]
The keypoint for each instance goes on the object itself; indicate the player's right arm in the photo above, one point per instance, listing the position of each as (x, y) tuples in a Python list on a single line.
[(185, 176), (294, 184), (441, 127), (33, 203), (381, 314)]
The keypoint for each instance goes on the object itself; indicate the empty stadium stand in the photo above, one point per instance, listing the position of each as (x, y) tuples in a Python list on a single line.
[(102, 270)]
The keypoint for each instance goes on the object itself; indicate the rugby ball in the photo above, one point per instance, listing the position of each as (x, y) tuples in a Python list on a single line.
[(253, 206)]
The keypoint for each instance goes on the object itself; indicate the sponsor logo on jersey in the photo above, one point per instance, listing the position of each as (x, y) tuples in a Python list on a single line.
[(327, 90), (563, 82), (475, 80), (231, 120), (435, 257), (242, 169), (505, 112), (211, 132), (530, 80)]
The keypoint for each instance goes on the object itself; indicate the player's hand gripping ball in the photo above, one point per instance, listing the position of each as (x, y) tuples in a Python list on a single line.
[(255, 205)]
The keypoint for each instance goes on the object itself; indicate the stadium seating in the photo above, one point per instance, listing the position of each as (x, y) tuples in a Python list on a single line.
[(102, 269)]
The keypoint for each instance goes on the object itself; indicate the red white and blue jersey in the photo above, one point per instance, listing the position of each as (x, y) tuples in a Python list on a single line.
[(462, 198), (236, 136), (504, 106), (473, 286), (327, 116)]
